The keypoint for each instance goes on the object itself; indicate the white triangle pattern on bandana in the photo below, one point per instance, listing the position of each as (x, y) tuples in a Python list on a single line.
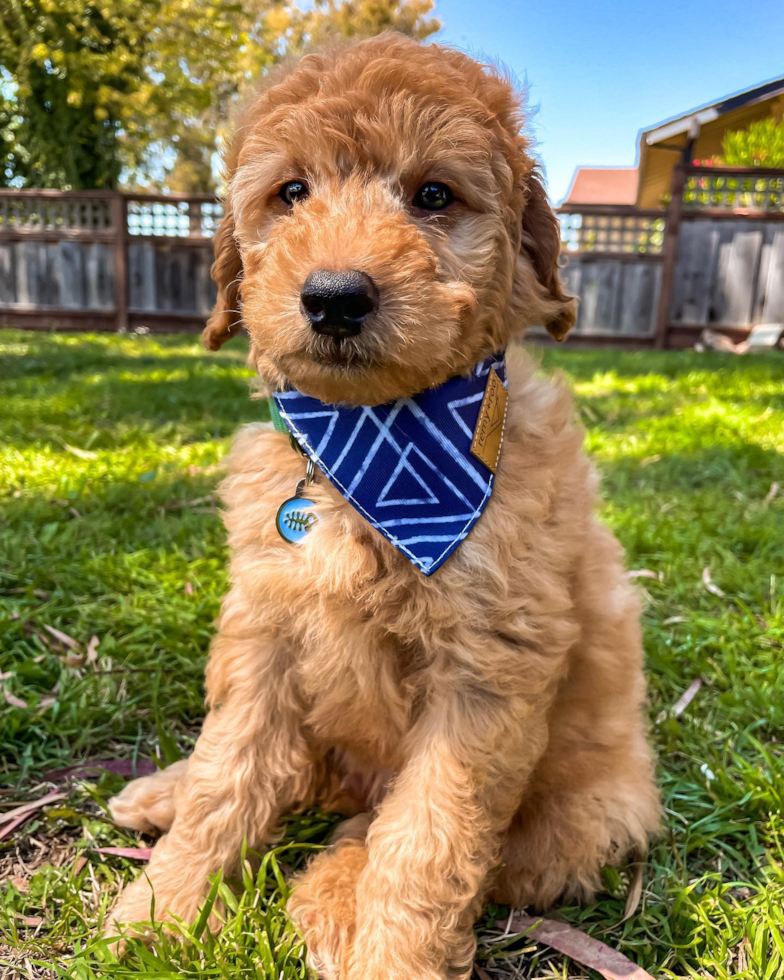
[(405, 466)]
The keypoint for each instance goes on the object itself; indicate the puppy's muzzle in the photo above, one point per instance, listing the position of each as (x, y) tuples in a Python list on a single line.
[(337, 303)]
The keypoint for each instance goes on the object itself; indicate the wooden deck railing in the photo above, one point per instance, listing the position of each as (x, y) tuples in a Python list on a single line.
[(734, 191), (615, 230)]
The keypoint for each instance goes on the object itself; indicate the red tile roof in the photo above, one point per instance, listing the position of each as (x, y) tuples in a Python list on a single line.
[(603, 185)]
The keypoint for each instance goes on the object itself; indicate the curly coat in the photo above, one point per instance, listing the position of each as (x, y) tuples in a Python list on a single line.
[(484, 727)]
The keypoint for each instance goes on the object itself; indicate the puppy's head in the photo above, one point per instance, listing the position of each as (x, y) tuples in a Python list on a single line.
[(385, 226)]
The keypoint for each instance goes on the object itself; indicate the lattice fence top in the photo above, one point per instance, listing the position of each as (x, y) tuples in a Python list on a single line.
[(631, 233), (742, 192), (28, 213), (175, 219)]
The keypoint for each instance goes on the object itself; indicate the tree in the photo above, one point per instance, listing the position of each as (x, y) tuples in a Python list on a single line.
[(67, 70), (761, 145), (365, 18), (137, 90)]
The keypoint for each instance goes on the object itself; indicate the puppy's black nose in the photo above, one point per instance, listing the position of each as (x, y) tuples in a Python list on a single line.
[(336, 303)]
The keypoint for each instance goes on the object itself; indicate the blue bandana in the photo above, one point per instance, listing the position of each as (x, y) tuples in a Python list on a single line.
[(406, 466)]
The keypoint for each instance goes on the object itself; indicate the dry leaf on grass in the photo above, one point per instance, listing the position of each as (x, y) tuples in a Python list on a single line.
[(135, 853), (634, 894), (92, 650), (480, 973), (674, 619), (643, 573), (774, 489), (12, 819), (45, 702), (579, 947), (63, 638), (682, 703), (686, 698), (126, 768), (79, 453), (709, 585), (31, 921), (38, 593), (13, 700)]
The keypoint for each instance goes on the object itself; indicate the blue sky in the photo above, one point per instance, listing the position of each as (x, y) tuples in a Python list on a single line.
[(601, 70)]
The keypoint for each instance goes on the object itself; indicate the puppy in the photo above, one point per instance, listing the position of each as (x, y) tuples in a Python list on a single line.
[(483, 725)]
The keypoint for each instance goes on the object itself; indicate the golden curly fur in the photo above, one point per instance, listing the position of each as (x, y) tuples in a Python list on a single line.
[(484, 726)]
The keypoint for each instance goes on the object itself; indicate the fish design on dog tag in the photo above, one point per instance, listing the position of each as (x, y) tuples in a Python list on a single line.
[(298, 514), (295, 518)]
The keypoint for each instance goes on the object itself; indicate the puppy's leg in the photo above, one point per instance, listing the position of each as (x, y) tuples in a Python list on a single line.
[(593, 798), (436, 836), (250, 761), (148, 803), (324, 900), (568, 829)]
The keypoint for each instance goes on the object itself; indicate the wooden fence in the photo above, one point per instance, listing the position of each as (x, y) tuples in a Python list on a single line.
[(105, 260), (112, 261), (714, 257)]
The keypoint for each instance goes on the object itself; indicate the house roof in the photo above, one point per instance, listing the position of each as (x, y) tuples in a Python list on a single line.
[(701, 129), (687, 122), (603, 185), (646, 183)]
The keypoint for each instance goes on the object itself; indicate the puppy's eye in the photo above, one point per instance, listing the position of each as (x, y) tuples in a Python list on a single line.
[(293, 191), (433, 196)]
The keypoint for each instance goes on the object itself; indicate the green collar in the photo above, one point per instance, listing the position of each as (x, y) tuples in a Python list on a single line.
[(277, 421)]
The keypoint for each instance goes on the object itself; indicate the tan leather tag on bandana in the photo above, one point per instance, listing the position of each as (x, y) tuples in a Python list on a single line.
[(489, 431)]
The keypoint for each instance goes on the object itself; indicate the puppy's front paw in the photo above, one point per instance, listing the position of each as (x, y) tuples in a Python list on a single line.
[(148, 803), (133, 913), (323, 905)]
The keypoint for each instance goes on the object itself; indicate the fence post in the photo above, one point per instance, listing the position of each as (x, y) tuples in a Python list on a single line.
[(120, 222), (671, 235)]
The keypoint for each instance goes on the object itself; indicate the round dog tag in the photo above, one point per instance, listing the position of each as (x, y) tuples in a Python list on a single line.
[(296, 516)]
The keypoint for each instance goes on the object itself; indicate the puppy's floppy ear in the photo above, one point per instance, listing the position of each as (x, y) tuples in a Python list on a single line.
[(541, 241), (225, 321)]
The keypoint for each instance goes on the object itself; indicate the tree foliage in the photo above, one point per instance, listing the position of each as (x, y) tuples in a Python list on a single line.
[(92, 94), (761, 145)]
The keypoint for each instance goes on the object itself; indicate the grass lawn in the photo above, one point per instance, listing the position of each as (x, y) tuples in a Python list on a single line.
[(109, 453)]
